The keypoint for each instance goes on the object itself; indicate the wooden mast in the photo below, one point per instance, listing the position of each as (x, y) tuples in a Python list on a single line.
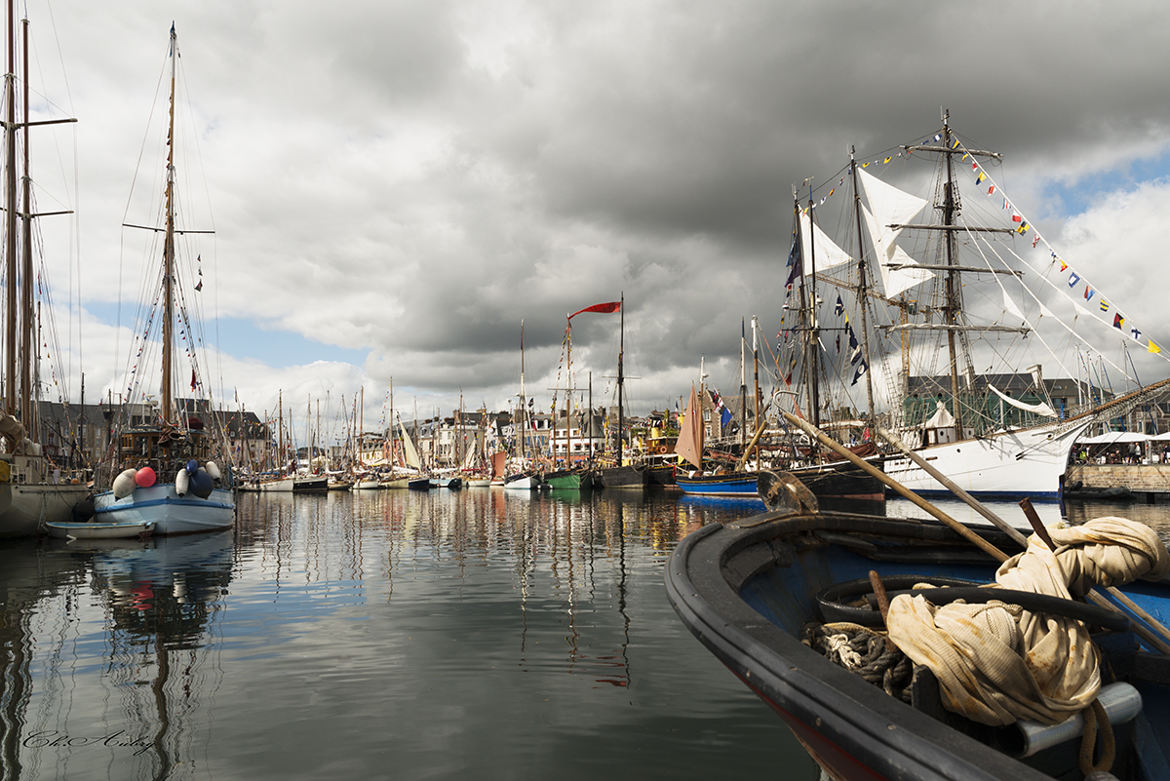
[(621, 384), (862, 290), (166, 410), (523, 416), (951, 309), (812, 369), (10, 324), (27, 412)]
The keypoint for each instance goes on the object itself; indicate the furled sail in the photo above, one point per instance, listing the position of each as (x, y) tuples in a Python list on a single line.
[(889, 205), (1039, 409), (941, 418)]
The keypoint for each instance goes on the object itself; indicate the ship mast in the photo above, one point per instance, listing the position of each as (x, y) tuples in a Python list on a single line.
[(808, 307), (169, 253), (952, 307), (620, 383), (862, 290), (10, 219)]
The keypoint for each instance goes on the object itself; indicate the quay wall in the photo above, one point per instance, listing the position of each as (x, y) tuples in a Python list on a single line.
[(1139, 478)]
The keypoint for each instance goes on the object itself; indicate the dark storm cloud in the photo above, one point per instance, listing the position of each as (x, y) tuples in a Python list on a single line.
[(414, 178)]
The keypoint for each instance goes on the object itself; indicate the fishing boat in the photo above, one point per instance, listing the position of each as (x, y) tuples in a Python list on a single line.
[(969, 296), (762, 594), (33, 489), (294, 483), (522, 482), (836, 482), (626, 476), (568, 480), (728, 484), (199, 497)]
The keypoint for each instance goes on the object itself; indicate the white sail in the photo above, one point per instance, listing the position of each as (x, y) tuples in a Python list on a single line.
[(889, 205), (827, 255), (898, 274), (411, 454)]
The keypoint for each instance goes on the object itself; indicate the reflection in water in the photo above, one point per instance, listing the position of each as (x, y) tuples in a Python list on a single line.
[(121, 696), (476, 633)]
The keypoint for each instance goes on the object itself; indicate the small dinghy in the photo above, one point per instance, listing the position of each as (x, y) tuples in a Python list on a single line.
[(97, 530)]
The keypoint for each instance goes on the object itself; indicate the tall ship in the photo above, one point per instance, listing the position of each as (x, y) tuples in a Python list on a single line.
[(913, 310), (169, 473), (34, 488)]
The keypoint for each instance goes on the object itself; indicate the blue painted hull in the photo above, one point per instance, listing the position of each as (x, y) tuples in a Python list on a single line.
[(169, 512), (739, 484)]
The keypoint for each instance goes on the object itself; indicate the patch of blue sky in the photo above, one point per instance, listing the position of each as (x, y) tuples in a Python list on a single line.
[(246, 340), (1081, 195)]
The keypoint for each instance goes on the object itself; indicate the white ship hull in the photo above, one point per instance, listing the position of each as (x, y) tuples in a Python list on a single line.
[(169, 512), (1027, 462)]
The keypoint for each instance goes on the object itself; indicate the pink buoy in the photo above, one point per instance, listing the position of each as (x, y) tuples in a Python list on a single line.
[(145, 477)]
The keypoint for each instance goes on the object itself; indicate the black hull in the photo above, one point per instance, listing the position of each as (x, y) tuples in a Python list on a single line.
[(622, 477), (746, 590), (843, 480), (660, 476)]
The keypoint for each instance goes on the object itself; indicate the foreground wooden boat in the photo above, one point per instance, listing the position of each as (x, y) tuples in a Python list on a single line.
[(750, 589)]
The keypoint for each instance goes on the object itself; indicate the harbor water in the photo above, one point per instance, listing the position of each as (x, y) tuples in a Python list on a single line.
[(383, 634), (388, 634)]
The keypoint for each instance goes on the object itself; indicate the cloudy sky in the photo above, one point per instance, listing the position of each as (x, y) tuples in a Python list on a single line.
[(395, 185)]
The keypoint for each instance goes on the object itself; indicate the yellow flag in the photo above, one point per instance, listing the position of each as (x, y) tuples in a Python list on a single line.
[(1154, 348)]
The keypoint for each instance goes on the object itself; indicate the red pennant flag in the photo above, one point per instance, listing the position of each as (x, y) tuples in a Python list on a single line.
[(193, 383), (605, 309)]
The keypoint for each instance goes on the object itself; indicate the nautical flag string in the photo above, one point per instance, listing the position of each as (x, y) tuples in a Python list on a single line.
[(1077, 285)]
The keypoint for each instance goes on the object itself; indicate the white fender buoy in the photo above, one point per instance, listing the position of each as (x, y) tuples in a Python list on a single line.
[(124, 483), (181, 482), (212, 470)]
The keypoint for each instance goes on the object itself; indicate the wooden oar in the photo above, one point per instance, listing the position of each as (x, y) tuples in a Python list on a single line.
[(870, 469), (962, 530)]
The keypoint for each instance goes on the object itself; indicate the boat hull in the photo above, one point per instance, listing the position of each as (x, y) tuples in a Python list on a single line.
[(170, 513), (525, 483), (625, 477), (98, 530), (24, 508), (568, 481), (734, 484), (747, 589), (1005, 465)]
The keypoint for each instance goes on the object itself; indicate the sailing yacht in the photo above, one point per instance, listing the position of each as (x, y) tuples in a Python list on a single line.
[(164, 474), (959, 291), (33, 489)]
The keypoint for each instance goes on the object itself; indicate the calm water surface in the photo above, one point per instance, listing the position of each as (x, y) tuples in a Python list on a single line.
[(385, 634)]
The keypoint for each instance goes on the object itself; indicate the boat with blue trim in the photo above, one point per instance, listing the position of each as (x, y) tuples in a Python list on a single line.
[(173, 439)]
